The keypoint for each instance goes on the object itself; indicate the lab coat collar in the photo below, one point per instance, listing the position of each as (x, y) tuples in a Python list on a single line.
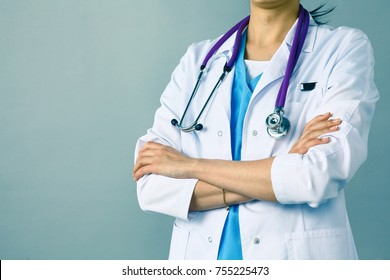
[(310, 38)]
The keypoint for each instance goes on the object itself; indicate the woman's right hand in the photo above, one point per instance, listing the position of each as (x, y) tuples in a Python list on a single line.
[(313, 130)]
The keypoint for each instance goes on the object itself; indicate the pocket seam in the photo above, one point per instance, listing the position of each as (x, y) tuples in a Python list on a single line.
[(317, 233)]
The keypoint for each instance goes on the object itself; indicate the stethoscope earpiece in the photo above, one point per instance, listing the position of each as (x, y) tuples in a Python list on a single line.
[(198, 127), (174, 122)]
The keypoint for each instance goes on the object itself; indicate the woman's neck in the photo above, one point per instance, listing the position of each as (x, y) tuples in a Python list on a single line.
[(268, 26)]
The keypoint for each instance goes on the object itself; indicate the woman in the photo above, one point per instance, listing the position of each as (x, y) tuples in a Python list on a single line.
[(238, 193)]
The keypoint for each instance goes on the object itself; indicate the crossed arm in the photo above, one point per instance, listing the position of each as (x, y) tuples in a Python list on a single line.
[(241, 181)]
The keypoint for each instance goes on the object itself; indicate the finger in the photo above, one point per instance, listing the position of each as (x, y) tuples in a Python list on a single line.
[(322, 127), (149, 153), (317, 133), (315, 142), (141, 172), (303, 148), (325, 124), (319, 118), (142, 162), (151, 146)]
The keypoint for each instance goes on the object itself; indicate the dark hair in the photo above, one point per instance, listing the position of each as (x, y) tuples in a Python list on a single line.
[(319, 13)]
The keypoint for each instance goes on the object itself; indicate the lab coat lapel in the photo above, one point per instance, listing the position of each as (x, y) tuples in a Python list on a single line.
[(274, 73), (277, 66), (275, 70)]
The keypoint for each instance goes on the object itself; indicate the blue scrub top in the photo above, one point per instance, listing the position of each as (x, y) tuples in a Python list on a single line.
[(230, 245), (241, 95)]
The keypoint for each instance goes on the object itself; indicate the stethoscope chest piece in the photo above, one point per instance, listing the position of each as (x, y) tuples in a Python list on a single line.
[(277, 125)]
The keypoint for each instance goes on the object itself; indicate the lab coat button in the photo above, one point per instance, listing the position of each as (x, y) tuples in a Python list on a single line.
[(254, 132), (210, 239), (256, 241), (220, 133)]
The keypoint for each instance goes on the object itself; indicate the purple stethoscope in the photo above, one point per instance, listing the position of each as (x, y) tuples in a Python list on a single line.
[(277, 124)]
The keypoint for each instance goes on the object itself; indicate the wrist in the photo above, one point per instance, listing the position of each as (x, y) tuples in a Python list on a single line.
[(231, 198), (192, 168), (224, 198), (195, 168)]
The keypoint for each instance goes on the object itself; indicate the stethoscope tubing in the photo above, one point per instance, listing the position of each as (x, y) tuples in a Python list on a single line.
[(239, 26), (296, 49), (299, 37)]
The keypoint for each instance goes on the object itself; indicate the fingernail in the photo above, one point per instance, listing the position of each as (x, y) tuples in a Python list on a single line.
[(334, 128), (325, 139), (336, 121)]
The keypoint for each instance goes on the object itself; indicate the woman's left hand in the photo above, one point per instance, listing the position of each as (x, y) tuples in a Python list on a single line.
[(311, 135), (155, 158)]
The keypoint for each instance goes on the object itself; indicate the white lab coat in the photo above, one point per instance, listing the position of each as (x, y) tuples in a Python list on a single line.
[(310, 219)]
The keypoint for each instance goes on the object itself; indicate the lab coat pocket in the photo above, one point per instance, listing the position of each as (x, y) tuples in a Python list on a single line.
[(325, 244), (299, 95), (179, 242)]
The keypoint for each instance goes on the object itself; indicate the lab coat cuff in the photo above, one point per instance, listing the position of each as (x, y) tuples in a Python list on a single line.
[(166, 195), (187, 197), (281, 178), (180, 197)]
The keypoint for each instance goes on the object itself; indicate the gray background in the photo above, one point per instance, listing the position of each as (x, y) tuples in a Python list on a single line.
[(79, 83)]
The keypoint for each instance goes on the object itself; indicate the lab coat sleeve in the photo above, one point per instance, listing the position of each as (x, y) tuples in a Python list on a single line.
[(324, 170), (158, 193)]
